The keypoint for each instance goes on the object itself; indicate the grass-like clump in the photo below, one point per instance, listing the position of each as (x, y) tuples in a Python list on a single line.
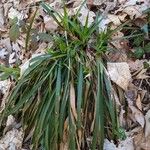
[(64, 97)]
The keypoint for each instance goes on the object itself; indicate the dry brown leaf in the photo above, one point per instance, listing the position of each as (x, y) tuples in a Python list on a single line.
[(122, 16), (132, 12), (142, 74), (64, 144), (122, 1), (117, 56), (119, 73), (41, 48), (122, 118), (95, 2), (6, 42), (137, 115), (147, 124), (114, 19), (136, 65), (12, 140), (50, 24), (127, 144), (14, 13), (1, 17), (84, 12), (10, 120), (109, 145), (138, 102), (103, 24), (80, 136), (140, 142), (3, 53), (72, 101)]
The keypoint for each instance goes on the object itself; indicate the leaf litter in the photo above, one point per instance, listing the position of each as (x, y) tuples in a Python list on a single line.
[(122, 69)]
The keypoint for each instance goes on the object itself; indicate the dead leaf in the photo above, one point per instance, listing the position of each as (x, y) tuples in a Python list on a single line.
[(14, 13), (98, 2), (10, 120), (142, 74), (132, 12), (84, 13), (1, 17), (140, 142), (147, 124), (127, 144), (136, 115), (138, 102), (7, 44), (12, 140), (64, 144), (4, 88), (119, 73), (50, 24), (12, 58), (136, 65), (114, 19), (4, 85), (3, 53), (72, 100), (109, 145), (103, 24), (122, 118)]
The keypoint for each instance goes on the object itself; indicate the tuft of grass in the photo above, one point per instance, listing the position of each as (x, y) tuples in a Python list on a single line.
[(65, 97)]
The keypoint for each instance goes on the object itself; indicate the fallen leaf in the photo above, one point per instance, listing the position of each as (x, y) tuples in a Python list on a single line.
[(119, 73), (4, 85), (147, 124), (126, 144), (1, 17), (122, 118), (132, 12), (138, 102), (10, 120), (137, 114), (50, 24), (83, 17), (114, 19), (141, 142), (142, 74), (3, 53), (136, 65), (6, 42), (14, 13), (103, 24), (109, 145), (12, 140), (12, 58), (16, 47)]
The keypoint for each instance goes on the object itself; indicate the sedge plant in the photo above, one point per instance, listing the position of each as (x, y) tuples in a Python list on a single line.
[(64, 97)]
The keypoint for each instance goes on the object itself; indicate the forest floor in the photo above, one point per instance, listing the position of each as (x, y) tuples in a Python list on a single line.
[(128, 59)]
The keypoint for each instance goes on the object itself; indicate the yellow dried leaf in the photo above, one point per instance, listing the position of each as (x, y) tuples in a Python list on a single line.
[(72, 101)]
